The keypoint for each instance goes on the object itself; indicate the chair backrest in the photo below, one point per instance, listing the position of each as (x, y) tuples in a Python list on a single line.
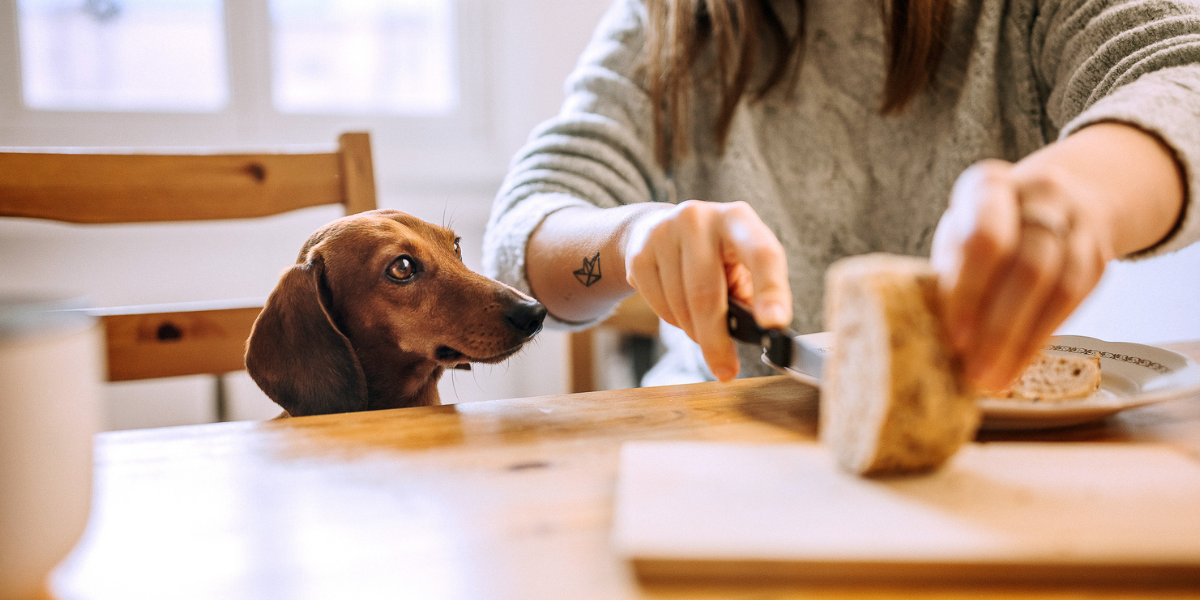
[(165, 340)]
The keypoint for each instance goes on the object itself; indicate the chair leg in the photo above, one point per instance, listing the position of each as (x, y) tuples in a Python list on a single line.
[(583, 361), (220, 399)]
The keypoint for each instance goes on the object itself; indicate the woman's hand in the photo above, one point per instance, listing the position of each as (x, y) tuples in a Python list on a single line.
[(1022, 245), (1016, 254), (687, 261)]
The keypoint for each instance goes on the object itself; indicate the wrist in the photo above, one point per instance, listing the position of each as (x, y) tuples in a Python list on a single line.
[(631, 235), (1117, 178), (1078, 202), (575, 263)]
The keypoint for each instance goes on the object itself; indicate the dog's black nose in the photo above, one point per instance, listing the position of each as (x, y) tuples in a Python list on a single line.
[(526, 317)]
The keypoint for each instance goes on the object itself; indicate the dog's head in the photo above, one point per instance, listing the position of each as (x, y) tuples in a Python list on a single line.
[(376, 307)]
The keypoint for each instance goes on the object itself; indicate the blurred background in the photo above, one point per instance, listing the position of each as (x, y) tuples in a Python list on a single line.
[(448, 89)]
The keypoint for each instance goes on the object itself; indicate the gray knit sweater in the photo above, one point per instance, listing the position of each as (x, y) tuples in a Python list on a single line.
[(821, 166)]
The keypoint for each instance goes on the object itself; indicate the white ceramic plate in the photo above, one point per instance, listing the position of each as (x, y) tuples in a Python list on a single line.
[(1132, 375)]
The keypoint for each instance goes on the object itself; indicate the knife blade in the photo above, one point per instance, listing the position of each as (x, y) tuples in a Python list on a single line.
[(781, 347)]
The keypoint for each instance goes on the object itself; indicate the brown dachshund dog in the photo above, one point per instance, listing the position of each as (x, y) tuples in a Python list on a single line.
[(378, 305)]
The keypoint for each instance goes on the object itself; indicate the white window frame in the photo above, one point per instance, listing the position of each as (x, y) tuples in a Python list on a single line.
[(420, 150)]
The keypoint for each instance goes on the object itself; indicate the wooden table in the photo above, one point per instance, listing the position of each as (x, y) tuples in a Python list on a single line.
[(500, 499)]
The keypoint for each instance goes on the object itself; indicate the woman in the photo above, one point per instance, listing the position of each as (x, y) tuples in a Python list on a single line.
[(1021, 144)]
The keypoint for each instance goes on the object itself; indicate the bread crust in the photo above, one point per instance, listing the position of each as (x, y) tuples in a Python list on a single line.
[(893, 399)]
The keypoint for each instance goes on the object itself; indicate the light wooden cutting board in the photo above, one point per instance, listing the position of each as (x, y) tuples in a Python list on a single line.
[(996, 512)]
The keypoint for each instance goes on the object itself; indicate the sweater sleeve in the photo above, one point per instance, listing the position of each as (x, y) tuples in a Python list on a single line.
[(598, 151), (1135, 62)]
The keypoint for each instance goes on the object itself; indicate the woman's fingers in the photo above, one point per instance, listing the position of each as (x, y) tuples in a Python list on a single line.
[(704, 289), (654, 264), (670, 276), (642, 267), (1007, 332), (973, 244), (737, 255), (650, 287), (707, 298), (1015, 256), (1083, 265), (688, 260), (750, 248)]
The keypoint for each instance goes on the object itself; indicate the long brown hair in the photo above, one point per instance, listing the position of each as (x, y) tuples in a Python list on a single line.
[(679, 30)]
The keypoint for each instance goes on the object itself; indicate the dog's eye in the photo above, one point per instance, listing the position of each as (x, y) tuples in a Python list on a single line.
[(402, 269)]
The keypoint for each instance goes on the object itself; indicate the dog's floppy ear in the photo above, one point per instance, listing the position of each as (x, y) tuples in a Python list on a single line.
[(297, 354)]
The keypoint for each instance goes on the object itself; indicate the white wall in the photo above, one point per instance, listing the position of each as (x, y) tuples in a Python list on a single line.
[(530, 46), (1148, 302)]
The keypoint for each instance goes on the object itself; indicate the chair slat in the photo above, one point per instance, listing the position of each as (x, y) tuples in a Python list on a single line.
[(169, 344), (102, 188)]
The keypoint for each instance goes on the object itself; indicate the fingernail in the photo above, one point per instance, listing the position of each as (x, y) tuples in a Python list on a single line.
[(725, 374)]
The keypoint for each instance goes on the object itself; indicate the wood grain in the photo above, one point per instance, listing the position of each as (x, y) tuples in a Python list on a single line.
[(169, 344), (114, 188), (499, 499)]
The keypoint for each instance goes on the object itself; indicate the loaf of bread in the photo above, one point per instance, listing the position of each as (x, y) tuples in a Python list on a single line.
[(893, 399), (1055, 378)]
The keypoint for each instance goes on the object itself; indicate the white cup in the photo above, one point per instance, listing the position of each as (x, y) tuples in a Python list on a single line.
[(51, 361)]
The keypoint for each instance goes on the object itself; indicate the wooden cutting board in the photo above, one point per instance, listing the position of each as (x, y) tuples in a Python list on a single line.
[(997, 512)]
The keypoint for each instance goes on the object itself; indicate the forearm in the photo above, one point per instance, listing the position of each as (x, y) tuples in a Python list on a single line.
[(575, 260), (1136, 185)]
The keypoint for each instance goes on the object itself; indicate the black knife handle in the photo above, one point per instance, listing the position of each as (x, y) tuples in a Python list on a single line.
[(741, 324), (775, 342), (778, 347)]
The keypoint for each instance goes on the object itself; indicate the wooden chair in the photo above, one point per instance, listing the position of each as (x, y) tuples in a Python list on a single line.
[(633, 318), (167, 340)]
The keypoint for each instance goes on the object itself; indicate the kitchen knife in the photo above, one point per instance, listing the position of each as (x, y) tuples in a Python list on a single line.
[(782, 348)]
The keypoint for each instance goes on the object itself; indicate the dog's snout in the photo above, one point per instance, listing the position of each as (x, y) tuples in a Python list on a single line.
[(526, 317)]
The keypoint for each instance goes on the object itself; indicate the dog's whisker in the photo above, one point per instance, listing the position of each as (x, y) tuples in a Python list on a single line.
[(454, 387)]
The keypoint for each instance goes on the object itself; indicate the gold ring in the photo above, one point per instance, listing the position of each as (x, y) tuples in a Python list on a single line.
[(1042, 215)]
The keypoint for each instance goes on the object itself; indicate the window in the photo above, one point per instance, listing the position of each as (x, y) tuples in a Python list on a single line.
[(244, 73), (391, 57), (123, 55), (371, 56)]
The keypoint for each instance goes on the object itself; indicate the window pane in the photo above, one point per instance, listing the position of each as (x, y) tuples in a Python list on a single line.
[(123, 55), (363, 56)]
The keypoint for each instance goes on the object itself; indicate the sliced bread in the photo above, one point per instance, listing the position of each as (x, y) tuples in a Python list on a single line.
[(892, 397), (1055, 378)]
